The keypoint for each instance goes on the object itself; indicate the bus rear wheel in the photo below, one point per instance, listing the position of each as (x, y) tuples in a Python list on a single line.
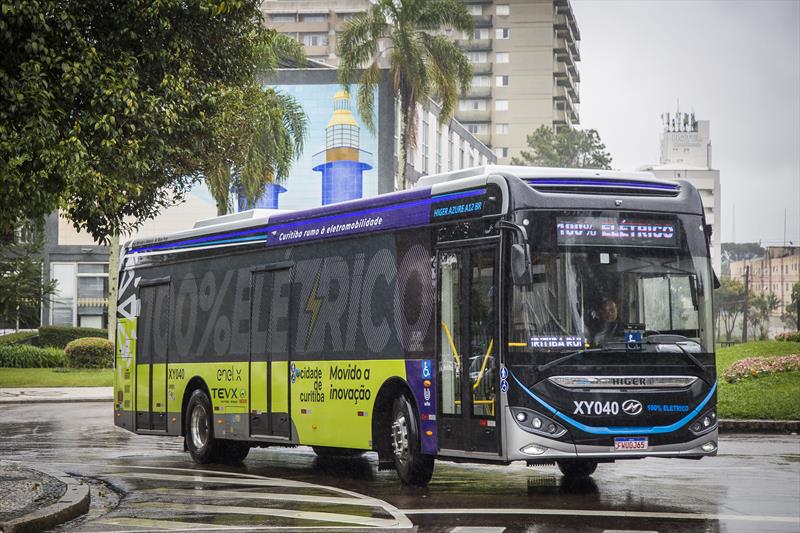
[(577, 468), (199, 429), (413, 466)]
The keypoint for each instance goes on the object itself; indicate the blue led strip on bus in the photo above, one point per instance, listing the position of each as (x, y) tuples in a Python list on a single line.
[(605, 183), (262, 232), (651, 430)]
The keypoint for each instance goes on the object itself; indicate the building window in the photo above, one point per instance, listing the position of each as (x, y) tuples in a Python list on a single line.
[(475, 9), (438, 148), (501, 152), (501, 81), (346, 16), (82, 294), (461, 155), (472, 105), (314, 18), (501, 129), (480, 81), (314, 39), (501, 57), (425, 139), (501, 105), (282, 18), (476, 129), (502, 10), (502, 33), (477, 57)]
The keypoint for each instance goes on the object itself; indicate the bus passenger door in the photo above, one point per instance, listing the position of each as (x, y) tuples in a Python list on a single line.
[(152, 356), (467, 349), (269, 351)]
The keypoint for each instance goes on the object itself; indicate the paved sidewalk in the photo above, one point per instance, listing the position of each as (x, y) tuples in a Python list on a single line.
[(57, 394)]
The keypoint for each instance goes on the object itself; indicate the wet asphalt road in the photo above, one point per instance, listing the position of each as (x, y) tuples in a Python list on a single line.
[(145, 483)]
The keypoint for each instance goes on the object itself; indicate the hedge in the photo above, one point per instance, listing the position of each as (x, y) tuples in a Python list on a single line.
[(789, 336), (90, 352), (17, 337), (26, 356), (60, 336)]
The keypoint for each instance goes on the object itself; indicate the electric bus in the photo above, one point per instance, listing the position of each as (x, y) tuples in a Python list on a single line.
[(493, 314)]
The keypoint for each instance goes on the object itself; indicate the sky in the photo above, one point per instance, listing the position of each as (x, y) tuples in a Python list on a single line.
[(735, 63)]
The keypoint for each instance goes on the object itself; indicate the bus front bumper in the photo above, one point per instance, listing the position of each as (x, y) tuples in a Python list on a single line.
[(522, 445)]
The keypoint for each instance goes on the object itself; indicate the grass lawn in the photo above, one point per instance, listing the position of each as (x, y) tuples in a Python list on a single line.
[(773, 397), (55, 377)]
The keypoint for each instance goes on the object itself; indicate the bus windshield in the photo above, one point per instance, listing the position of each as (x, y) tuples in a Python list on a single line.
[(597, 275)]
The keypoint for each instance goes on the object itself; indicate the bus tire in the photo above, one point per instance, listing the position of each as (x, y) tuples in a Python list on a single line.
[(199, 430), (232, 452), (413, 466), (577, 468), (327, 451)]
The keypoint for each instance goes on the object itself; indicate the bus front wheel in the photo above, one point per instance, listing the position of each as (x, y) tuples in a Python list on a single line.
[(577, 468), (413, 467), (199, 429)]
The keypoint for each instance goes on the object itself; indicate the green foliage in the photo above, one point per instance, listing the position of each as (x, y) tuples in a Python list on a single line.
[(19, 337), (728, 305), (22, 288), (788, 336), (567, 148), (727, 356), (421, 62), (56, 377), (60, 336), (789, 315), (25, 356), (104, 106), (258, 133), (761, 308), (90, 352)]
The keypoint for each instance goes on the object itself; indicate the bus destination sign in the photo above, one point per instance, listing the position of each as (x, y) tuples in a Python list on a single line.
[(604, 231)]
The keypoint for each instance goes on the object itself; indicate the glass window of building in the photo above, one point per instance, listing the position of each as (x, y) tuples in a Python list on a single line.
[(450, 151), (314, 39), (81, 298), (475, 9), (502, 57), (438, 148), (316, 17), (502, 10), (472, 105), (501, 105), (480, 81), (477, 57), (280, 18), (425, 140), (502, 33), (501, 152), (501, 129), (501, 81)]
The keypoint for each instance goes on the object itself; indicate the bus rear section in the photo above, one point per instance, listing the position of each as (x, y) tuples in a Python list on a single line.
[(610, 352)]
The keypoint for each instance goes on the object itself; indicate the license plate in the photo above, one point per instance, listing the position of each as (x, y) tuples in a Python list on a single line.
[(625, 444)]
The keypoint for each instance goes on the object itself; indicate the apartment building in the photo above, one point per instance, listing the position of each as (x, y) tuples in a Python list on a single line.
[(774, 273), (524, 55)]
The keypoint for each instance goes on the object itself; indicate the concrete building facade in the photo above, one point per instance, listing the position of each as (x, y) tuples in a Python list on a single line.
[(686, 155), (524, 55), (774, 273)]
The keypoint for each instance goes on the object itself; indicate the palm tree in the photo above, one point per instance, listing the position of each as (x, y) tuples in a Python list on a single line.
[(259, 133), (422, 63)]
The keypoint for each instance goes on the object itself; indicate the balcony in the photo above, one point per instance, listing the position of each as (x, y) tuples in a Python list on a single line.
[(482, 21), (479, 92), (474, 115), (563, 50), (481, 68), (475, 45), (563, 76)]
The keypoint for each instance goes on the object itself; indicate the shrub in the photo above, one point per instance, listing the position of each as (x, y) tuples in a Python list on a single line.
[(789, 336), (26, 356), (753, 367), (19, 337), (90, 352), (60, 336)]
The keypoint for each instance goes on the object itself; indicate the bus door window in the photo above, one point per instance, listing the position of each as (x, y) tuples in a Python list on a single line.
[(450, 339), (482, 374)]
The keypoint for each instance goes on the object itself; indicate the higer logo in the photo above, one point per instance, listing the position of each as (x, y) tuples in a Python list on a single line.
[(632, 407)]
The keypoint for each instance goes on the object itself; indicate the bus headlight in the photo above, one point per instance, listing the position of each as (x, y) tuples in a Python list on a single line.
[(709, 446), (533, 449), (705, 422), (537, 423)]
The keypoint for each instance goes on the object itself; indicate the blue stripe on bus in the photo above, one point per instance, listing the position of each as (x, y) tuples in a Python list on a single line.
[(263, 231), (644, 430)]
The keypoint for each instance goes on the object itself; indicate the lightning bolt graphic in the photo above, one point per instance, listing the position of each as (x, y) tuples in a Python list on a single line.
[(314, 303)]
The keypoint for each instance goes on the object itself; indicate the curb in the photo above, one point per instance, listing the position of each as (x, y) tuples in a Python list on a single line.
[(65, 399), (759, 426), (74, 503)]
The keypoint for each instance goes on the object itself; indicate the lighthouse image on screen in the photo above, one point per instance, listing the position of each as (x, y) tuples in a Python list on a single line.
[(342, 163)]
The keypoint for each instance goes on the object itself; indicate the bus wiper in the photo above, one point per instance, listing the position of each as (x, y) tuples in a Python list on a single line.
[(675, 340), (556, 362)]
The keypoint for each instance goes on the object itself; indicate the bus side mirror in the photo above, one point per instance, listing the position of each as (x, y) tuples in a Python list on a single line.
[(520, 265)]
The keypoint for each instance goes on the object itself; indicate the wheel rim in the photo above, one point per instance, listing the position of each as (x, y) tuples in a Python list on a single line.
[(400, 438), (199, 426)]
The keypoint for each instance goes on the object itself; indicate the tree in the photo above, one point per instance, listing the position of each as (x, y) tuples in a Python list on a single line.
[(567, 148), (22, 289), (735, 251), (761, 308), (104, 105), (728, 300), (421, 64), (257, 134), (789, 315)]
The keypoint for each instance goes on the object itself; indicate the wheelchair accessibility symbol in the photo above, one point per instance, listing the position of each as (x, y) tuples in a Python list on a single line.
[(426, 369), (503, 385)]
